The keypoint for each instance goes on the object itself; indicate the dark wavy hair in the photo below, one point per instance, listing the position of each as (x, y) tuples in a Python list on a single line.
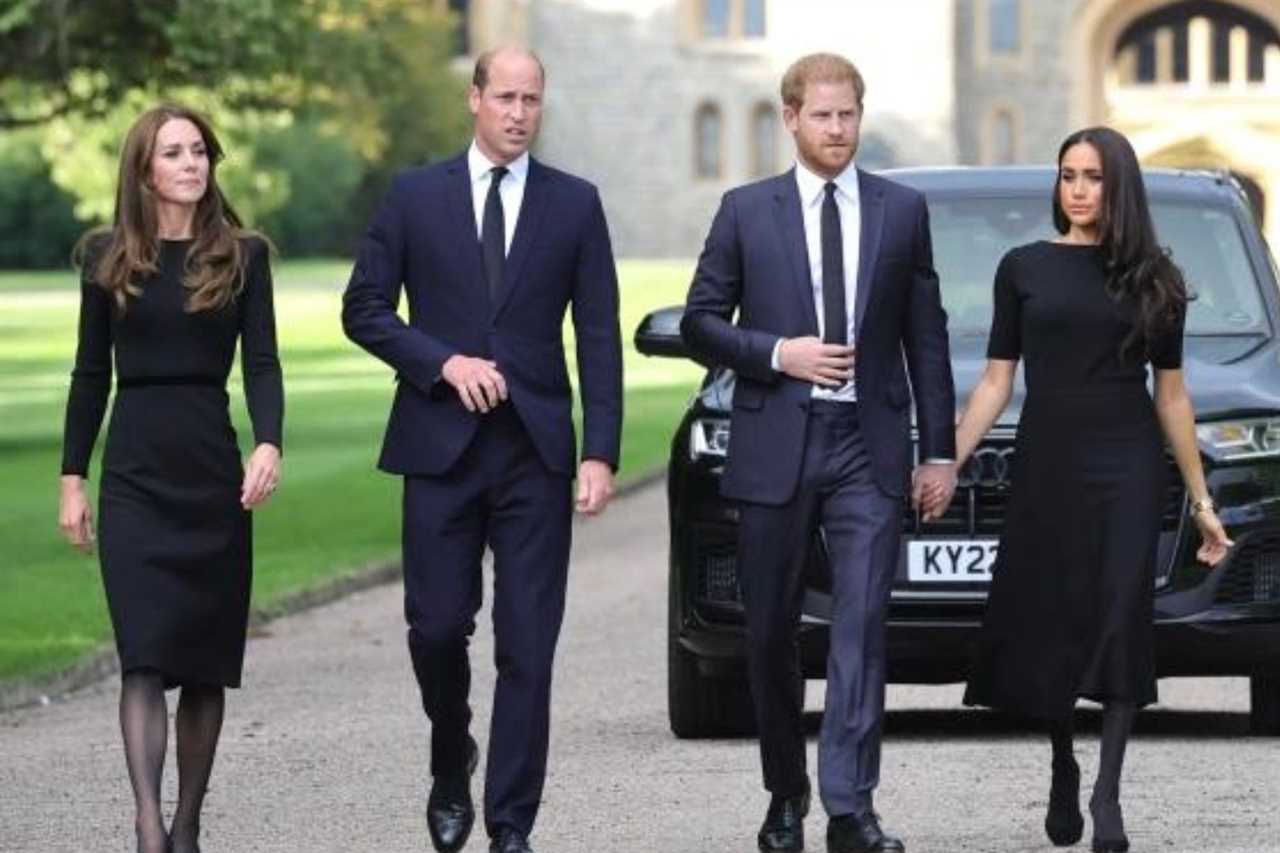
[(1139, 269), (121, 254)]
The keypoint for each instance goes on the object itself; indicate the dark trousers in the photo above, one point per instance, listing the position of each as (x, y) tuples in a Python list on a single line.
[(861, 525), (499, 494)]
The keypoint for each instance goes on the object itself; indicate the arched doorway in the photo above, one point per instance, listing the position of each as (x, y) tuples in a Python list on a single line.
[(1194, 84)]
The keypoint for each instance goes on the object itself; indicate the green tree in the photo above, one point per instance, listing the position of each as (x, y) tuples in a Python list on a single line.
[(38, 226)]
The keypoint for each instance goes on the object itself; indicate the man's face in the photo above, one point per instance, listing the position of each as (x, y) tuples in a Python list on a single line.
[(508, 111), (825, 127)]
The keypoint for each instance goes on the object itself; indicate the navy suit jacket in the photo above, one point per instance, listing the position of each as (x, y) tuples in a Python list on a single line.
[(424, 240), (755, 263)]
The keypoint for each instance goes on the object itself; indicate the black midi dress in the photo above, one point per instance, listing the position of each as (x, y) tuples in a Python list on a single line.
[(174, 543), (1070, 607)]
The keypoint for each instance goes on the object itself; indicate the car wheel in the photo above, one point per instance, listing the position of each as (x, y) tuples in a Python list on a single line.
[(1264, 703), (700, 706)]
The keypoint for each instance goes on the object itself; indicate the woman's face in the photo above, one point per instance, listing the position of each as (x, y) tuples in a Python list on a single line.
[(179, 163), (1080, 185)]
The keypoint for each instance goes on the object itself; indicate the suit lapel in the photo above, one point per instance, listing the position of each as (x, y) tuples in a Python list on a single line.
[(532, 207), (788, 211), (464, 225), (871, 212)]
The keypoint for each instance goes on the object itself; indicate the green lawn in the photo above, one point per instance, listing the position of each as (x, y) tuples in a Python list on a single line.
[(333, 514)]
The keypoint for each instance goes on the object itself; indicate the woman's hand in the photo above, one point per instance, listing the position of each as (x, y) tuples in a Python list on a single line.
[(1215, 543), (261, 475), (74, 515)]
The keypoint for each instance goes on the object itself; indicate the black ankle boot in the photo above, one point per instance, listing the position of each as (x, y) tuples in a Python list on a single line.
[(1108, 827), (1063, 823)]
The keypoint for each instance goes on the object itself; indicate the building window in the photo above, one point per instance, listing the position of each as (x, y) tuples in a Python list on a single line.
[(715, 18), (461, 10), (708, 130), (1004, 26), (1002, 138), (730, 19), (753, 19), (764, 140)]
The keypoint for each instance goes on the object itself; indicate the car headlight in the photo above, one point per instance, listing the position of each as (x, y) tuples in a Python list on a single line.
[(1247, 438), (709, 437)]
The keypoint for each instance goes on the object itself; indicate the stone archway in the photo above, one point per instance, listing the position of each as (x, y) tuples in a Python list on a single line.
[(1166, 119)]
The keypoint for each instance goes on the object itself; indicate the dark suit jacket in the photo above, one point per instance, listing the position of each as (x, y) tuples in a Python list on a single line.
[(424, 239), (755, 263)]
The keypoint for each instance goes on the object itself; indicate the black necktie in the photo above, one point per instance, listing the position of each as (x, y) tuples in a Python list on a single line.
[(493, 234), (835, 320)]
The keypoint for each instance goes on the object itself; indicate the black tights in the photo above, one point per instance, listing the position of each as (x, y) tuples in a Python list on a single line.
[(1117, 722), (144, 722)]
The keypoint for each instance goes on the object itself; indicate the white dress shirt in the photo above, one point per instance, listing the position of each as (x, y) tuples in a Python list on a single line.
[(812, 190), (510, 191)]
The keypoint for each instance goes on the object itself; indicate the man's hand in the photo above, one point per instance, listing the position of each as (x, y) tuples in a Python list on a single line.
[(477, 381), (809, 359), (932, 485), (595, 487)]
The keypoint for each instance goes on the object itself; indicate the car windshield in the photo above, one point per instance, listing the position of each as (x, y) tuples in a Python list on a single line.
[(971, 234)]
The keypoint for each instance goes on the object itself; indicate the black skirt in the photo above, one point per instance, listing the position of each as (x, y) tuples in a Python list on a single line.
[(174, 542), (1070, 610)]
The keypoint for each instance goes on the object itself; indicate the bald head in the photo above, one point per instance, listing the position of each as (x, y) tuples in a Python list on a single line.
[(504, 55)]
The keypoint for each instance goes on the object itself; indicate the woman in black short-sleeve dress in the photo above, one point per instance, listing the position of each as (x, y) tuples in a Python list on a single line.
[(1070, 610), (169, 291)]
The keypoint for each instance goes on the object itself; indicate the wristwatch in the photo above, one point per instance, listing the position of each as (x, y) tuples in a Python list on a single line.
[(1200, 506)]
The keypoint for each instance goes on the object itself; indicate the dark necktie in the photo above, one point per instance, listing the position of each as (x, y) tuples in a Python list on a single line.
[(493, 234), (835, 320)]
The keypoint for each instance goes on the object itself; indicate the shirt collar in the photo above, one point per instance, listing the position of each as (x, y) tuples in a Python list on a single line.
[(479, 165), (811, 184)]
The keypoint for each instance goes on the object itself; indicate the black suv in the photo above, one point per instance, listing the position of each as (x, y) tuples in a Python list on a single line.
[(1224, 621)]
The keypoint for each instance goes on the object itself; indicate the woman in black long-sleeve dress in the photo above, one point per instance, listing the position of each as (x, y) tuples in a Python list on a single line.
[(169, 290), (1070, 610)]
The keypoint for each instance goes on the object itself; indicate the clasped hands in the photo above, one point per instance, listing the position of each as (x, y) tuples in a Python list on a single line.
[(482, 388)]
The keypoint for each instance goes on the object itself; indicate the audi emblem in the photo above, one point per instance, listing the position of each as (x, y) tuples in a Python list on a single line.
[(988, 467)]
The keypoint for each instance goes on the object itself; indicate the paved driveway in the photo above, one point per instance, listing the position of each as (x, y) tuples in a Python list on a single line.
[(325, 747)]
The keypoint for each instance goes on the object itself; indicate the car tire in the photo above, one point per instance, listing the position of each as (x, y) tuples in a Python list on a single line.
[(1264, 704), (701, 706)]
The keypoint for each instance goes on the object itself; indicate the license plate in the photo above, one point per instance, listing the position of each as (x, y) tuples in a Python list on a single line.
[(950, 560)]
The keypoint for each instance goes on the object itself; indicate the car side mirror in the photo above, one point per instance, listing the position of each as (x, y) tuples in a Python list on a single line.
[(659, 333)]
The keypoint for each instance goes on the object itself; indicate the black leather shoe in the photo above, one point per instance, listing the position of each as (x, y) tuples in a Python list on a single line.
[(509, 840), (860, 834), (450, 813), (1108, 827), (783, 829), (1063, 823)]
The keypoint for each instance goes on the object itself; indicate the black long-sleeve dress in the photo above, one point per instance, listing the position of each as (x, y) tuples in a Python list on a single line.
[(174, 542), (1070, 608)]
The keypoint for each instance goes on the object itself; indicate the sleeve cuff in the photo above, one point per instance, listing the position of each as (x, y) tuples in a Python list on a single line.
[(775, 360), (938, 460)]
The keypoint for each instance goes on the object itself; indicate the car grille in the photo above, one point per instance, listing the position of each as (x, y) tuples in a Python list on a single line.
[(715, 562), (982, 496), (715, 558), (1254, 572)]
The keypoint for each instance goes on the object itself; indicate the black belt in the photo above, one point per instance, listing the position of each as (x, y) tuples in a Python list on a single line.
[(842, 408), (185, 379)]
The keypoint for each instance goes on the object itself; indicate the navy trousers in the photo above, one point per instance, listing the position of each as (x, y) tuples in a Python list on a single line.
[(861, 526), (500, 495)]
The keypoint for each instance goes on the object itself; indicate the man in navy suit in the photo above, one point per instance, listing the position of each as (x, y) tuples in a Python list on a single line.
[(491, 248), (829, 270)]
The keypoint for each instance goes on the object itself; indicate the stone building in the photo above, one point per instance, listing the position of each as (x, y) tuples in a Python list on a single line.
[(665, 104)]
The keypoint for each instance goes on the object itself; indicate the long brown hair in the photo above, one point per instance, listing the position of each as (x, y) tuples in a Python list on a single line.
[(1138, 267), (128, 250)]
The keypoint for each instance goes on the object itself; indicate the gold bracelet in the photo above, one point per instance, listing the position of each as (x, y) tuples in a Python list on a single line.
[(1200, 506)]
